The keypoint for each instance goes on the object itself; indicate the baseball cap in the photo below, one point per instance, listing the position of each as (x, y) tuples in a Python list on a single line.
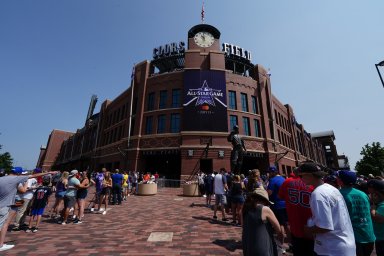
[(347, 177), (272, 169), (74, 172), (376, 185), (311, 168), (17, 170), (37, 170)]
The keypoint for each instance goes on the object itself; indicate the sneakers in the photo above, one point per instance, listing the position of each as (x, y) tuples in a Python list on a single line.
[(104, 212), (6, 247), (34, 230), (77, 221), (15, 229), (28, 230), (214, 217)]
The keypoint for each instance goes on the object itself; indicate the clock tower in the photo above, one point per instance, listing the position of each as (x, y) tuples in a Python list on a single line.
[(203, 51)]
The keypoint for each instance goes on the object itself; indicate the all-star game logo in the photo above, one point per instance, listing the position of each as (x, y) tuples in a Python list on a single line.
[(205, 98)]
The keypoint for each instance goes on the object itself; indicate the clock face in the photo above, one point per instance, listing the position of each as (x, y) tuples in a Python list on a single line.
[(204, 39)]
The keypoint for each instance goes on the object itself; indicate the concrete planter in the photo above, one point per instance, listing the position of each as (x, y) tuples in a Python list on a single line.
[(149, 189), (191, 189)]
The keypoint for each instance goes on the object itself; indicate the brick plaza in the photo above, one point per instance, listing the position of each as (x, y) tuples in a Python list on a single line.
[(125, 229)]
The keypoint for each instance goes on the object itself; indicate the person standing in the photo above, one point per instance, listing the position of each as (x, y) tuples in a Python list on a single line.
[(257, 235), (40, 201), (70, 196), (81, 194), (296, 195), (9, 186), (220, 187), (359, 212), (278, 208), (117, 182), (377, 213), (330, 222), (27, 198)]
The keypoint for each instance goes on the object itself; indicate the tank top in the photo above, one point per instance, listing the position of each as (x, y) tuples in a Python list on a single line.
[(257, 237), (236, 189), (60, 187)]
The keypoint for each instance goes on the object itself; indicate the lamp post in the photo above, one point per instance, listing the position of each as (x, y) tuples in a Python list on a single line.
[(381, 64)]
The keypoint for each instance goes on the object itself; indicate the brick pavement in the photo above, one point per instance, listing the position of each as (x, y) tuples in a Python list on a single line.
[(125, 228)]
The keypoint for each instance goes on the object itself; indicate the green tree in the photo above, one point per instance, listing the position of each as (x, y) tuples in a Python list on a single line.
[(372, 161), (6, 161)]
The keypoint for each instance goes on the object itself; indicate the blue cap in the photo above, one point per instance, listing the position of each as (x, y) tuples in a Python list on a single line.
[(347, 177), (17, 170), (272, 169)]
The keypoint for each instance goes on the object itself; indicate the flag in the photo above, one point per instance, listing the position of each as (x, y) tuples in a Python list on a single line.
[(133, 73), (202, 13)]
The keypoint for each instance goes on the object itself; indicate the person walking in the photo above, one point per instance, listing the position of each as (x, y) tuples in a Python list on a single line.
[(377, 212)]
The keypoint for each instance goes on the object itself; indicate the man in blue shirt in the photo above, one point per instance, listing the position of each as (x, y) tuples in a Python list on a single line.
[(117, 182), (278, 208)]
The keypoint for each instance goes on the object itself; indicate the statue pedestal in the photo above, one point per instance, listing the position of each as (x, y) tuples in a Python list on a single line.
[(149, 189), (191, 189)]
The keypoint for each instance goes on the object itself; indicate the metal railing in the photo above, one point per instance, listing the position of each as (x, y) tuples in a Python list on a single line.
[(168, 183)]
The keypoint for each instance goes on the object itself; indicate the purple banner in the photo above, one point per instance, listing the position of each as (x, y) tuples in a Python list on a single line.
[(205, 101)]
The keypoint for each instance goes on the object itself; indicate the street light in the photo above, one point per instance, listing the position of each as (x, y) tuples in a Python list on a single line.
[(381, 64)]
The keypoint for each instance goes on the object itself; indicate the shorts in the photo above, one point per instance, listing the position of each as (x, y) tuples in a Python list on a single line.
[(82, 194), (4, 211), (281, 215), (38, 211), (220, 199), (105, 191), (239, 199), (60, 194), (69, 201)]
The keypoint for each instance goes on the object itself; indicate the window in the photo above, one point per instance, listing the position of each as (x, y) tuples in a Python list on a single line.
[(256, 123), (176, 98), (148, 125), (175, 123), (244, 102), (163, 100), (232, 100), (255, 109), (276, 117), (161, 124), (246, 126), (232, 121), (151, 101)]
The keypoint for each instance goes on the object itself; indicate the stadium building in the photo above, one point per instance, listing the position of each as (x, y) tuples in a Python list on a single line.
[(181, 105)]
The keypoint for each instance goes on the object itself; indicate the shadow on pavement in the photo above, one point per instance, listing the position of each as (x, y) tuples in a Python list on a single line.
[(230, 244)]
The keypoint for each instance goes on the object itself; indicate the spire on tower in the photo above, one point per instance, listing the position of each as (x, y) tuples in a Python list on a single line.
[(202, 13)]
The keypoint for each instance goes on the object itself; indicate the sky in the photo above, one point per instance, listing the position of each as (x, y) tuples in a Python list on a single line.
[(55, 54)]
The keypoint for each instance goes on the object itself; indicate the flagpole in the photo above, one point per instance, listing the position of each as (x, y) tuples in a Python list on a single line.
[(202, 13), (130, 108)]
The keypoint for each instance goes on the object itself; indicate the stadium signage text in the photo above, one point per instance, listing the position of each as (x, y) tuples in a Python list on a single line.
[(231, 49), (168, 50)]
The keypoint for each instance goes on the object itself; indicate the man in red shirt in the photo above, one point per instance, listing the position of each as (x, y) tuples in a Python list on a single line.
[(296, 195)]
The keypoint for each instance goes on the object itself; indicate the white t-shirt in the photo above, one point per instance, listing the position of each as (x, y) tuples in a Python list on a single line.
[(219, 185), (330, 212), (32, 183)]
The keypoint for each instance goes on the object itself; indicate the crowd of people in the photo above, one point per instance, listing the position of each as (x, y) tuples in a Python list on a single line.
[(311, 212), (23, 195), (315, 212)]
